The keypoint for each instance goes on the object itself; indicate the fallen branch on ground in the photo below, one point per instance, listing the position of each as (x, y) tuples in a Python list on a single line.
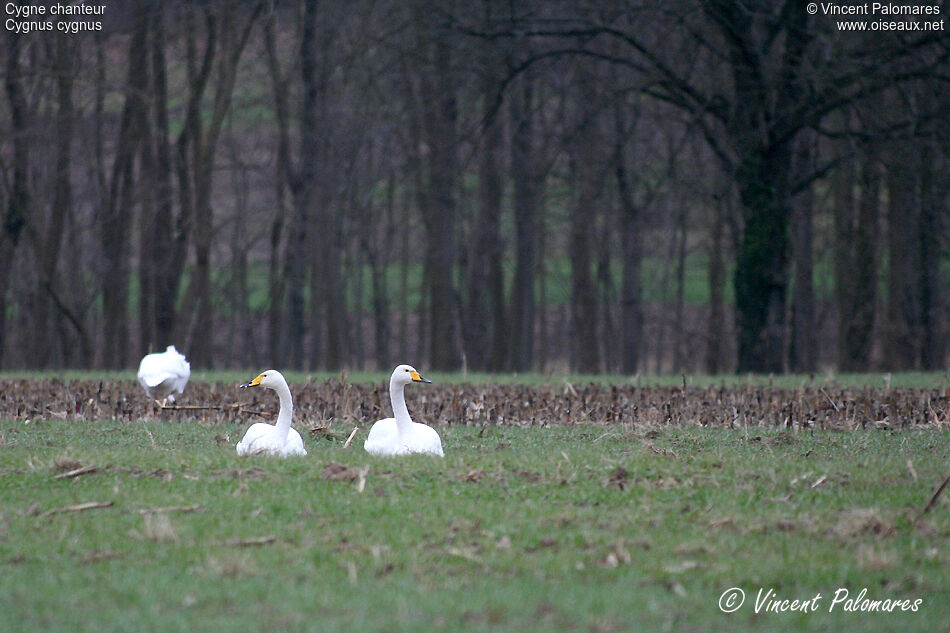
[(91, 505), (76, 472), (250, 542), (166, 509), (933, 499)]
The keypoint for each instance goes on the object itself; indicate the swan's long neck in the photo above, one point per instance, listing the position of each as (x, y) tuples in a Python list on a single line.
[(400, 410), (286, 411)]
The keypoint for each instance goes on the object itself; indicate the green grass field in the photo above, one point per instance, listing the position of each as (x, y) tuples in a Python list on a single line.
[(156, 525)]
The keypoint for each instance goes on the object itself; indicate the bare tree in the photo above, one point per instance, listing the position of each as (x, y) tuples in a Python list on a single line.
[(754, 77), (526, 182), (803, 344), (164, 236), (118, 208), (18, 208), (587, 181), (226, 34), (502, 186), (437, 109), (631, 237), (484, 320), (857, 288)]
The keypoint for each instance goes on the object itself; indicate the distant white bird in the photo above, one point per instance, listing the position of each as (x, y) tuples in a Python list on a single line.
[(165, 372), (273, 439), (400, 435)]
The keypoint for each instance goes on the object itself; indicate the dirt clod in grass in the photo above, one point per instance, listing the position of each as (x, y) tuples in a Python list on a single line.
[(334, 471), (860, 521), (65, 464), (617, 478), (242, 474), (783, 439), (528, 476), (473, 475), (322, 431)]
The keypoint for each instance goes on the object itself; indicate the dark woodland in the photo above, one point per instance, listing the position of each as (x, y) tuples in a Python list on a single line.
[(591, 186)]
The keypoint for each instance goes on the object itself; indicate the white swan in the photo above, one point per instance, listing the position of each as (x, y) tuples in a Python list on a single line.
[(400, 435), (162, 373), (273, 439)]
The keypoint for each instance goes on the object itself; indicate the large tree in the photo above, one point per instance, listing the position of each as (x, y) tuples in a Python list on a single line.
[(226, 33), (754, 76), (18, 196)]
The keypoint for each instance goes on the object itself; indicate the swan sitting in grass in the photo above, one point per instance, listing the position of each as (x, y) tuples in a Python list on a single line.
[(162, 373), (399, 435), (271, 439)]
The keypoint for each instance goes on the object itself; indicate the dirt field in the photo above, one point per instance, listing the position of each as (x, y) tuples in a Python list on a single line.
[(319, 403)]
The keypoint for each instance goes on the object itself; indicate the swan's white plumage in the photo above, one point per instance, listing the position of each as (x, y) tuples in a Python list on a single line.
[(161, 374), (273, 439), (262, 438), (385, 439), (399, 435)]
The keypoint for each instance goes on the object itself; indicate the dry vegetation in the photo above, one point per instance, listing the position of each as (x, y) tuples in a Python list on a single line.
[(319, 403)]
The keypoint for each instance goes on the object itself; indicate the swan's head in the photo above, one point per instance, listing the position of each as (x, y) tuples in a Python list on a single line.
[(272, 379), (404, 374)]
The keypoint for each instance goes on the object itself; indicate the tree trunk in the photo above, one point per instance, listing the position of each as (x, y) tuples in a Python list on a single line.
[(48, 239), (231, 37), (188, 154), (378, 261), (403, 349), (762, 124), (485, 301), (169, 232), (19, 204), (803, 348), (277, 352), (631, 245), (933, 197), (587, 199), (859, 284), (679, 318), (607, 293), (761, 276), (328, 306), (526, 210), (116, 218), (631, 293), (437, 203), (903, 338), (303, 184), (715, 362)]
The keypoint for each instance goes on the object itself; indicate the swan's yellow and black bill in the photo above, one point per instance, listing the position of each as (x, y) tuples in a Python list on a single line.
[(417, 377), (253, 383)]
